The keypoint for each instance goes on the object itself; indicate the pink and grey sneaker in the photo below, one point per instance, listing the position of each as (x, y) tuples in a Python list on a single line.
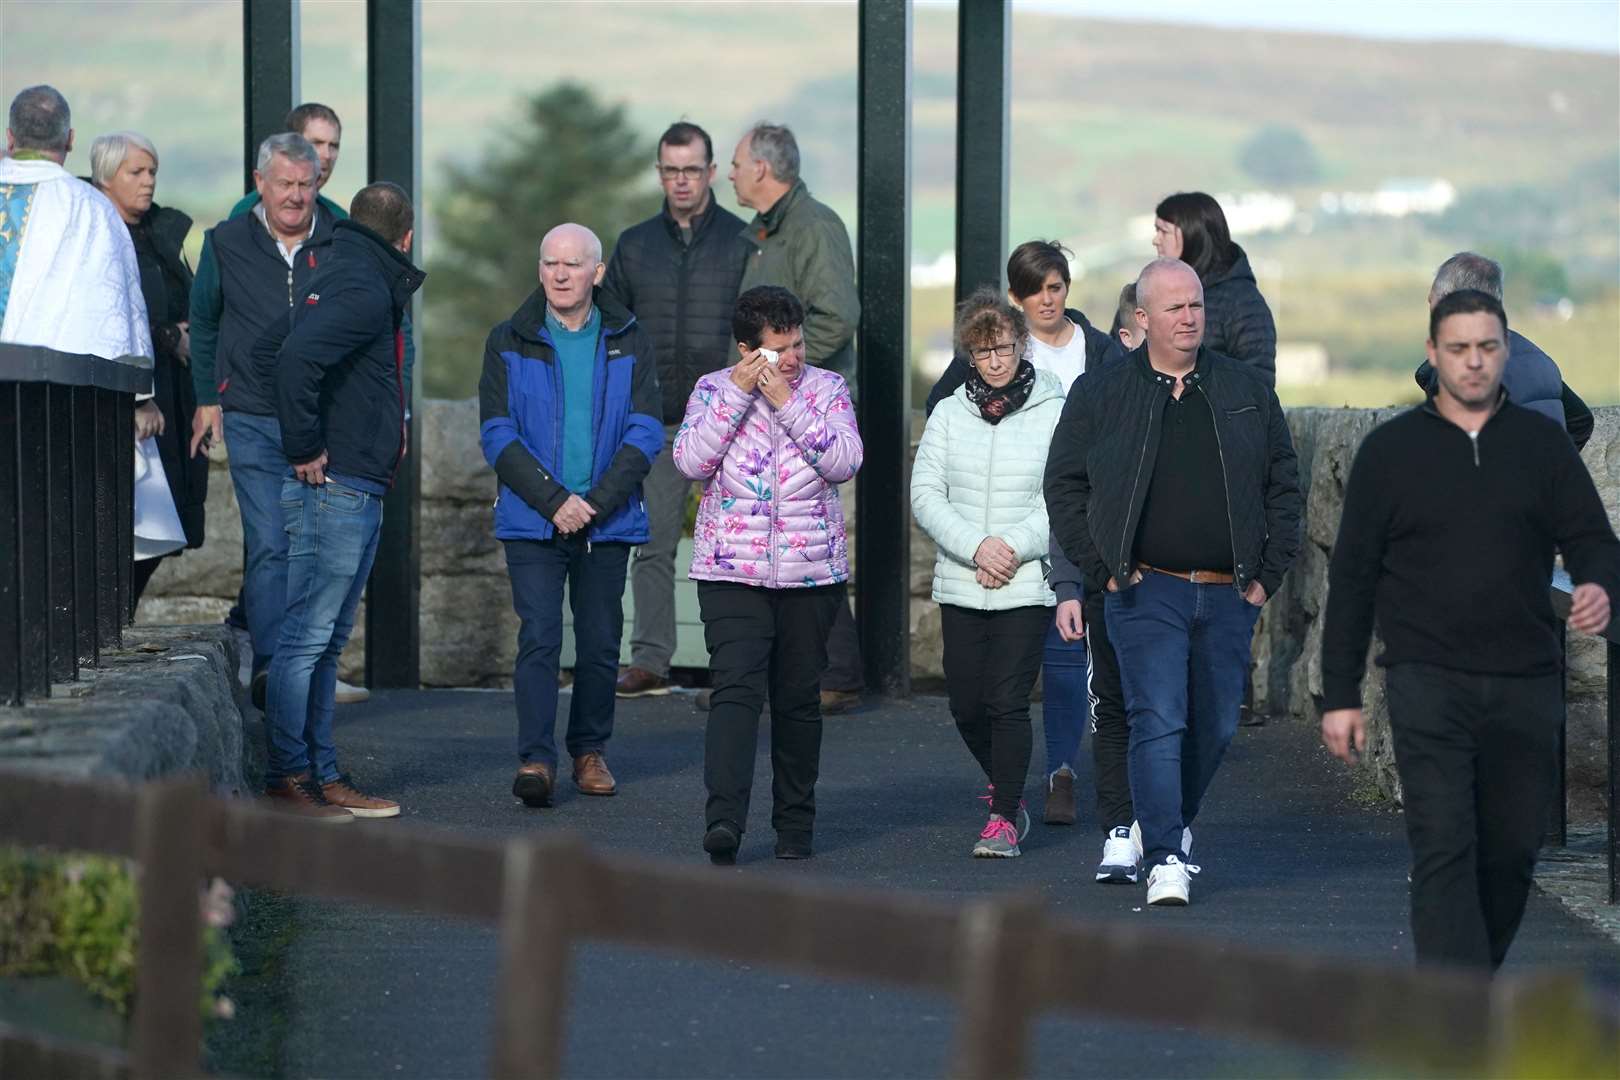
[(1023, 810), (998, 841)]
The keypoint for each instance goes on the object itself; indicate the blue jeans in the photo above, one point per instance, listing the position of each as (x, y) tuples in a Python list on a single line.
[(332, 530), (258, 467), (595, 574), (1064, 708), (1183, 657)]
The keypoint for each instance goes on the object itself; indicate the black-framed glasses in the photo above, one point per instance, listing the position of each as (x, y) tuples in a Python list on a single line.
[(1005, 348), (691, 173)]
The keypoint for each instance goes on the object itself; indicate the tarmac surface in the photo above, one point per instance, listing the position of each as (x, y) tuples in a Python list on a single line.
[(1292, 858)]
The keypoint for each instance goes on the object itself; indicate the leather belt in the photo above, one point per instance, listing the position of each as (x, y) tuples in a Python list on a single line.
[(1197, 577)]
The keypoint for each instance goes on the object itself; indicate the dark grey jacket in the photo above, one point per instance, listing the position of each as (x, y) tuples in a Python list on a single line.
[(1102, 457), (682, 294), (1237, 320)]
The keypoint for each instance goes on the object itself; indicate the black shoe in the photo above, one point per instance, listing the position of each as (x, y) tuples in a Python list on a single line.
[(793, 845), (721, 842), (258, 688)]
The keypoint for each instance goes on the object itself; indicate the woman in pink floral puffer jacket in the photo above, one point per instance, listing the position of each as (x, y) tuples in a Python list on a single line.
[(771, 442)]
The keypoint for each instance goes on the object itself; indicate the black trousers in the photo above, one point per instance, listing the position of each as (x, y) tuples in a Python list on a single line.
[(765, 642), (991, 661), (845, 670), (1477, 756), (1110, 731)]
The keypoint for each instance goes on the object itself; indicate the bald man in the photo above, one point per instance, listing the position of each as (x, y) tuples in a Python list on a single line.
[(571, 422), (1171, 484)]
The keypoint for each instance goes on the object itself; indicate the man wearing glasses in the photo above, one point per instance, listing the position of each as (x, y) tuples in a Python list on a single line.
[(680, 272)]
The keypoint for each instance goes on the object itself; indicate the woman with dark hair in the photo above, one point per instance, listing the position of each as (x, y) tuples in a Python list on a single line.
[(770, 438), (124, 167), (976, 490), (1237, 322)]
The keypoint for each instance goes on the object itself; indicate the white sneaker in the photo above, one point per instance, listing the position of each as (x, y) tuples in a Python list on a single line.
[(1169, 883), (348, 694), (1120, 861), (1136, 842)]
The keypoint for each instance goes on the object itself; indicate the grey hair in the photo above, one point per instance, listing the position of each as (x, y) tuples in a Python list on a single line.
[(108, 153), (40, 119), (1153, 270), (593, 243), (290, 145), (1466, 270), (775, 145)]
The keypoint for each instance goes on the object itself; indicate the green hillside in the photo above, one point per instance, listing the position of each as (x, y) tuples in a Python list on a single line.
[(1102, 128)]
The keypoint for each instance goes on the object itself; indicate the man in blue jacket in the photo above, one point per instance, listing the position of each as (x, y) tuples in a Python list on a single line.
[(340, 401), (571, 422)]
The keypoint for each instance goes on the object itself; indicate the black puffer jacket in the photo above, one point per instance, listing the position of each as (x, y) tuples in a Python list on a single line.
[(682, 295), (1237, 321), (1103, 452)]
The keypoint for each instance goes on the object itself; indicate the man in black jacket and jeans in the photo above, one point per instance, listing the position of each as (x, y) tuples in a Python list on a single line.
[(1172, 484), (679, 273), (1451, 517), (340, 400)]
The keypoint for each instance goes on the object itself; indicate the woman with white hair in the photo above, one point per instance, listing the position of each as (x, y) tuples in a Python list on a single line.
[(124, 167)]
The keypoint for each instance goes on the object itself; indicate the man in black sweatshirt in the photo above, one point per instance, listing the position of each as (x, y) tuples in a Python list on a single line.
[(1451, 517)]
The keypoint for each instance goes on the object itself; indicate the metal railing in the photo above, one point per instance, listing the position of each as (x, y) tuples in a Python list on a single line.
[(1005, 961), (67, 467)]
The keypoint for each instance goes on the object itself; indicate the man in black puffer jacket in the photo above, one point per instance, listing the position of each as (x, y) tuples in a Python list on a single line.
[(1172, 484), (679, 272)]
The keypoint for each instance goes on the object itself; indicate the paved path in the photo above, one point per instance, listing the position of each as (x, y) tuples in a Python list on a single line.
[(1291, 859)]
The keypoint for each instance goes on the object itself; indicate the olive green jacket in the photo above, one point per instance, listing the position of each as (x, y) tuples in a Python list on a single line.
[(801, 245)]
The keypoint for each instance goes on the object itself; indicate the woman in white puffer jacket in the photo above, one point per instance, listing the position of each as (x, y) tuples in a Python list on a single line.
[(976, 490)]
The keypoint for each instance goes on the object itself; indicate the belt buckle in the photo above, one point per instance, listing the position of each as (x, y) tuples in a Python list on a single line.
[(1192, 576)]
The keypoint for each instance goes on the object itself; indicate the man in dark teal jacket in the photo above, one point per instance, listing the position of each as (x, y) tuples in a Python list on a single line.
[(571, 422)]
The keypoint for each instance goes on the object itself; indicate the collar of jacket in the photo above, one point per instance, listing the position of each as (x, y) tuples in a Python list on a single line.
[(700, 221), (403, 276), (1198, 374), (529, 320), (1429, 406), (767, 223)]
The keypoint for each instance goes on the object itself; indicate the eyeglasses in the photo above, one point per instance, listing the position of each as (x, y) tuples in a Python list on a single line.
[(692, 173), (1005, 348)]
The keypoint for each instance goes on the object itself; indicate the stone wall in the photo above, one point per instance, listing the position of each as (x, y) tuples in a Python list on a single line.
[(469, 632)]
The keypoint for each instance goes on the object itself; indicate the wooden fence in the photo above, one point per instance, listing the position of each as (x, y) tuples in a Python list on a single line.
[(1005, 960)]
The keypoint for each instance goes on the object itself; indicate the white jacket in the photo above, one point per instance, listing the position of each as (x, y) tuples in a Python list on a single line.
[(972, 480)]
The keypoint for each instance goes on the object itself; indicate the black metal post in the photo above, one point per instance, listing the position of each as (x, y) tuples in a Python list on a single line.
[(1614, 763), (59, 539), (86, 640), (33, 532), (109, 618), (983, 91), (269, 73), (883, 266), (393, 152), (10, 564)]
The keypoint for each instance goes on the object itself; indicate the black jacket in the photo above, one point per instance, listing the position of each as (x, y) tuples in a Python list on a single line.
[(1102, 457), (1237, 320), (1449, 538), (682, 295), (1100, 348), (339, 372), (243, 288), (159, 238)]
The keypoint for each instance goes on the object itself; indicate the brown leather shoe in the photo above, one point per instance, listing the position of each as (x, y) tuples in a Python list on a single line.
[(591, 775), (342, 793), (301, 796), (1060, 809), (839, 701), (533, 783), (637, 682)]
